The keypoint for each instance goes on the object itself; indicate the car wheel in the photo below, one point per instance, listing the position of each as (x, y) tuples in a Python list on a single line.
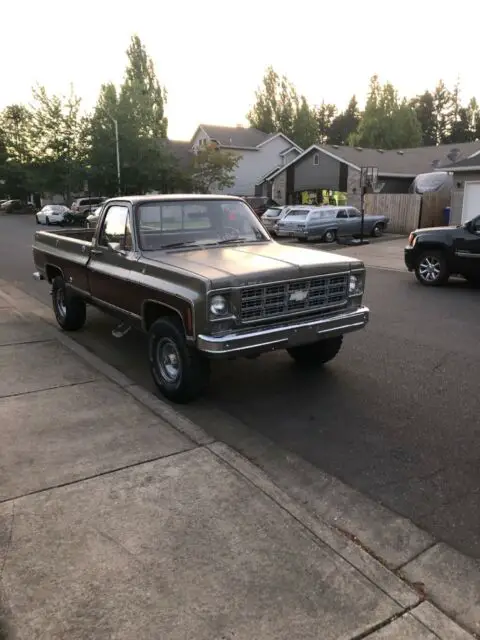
[(330, 236), (317, 353), (431, 269), (70, 311), (303, 240), (37, 220), (47, 220), (180, 372), (377, 230)]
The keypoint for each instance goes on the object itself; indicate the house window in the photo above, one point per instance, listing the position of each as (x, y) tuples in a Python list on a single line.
[(316, 159)]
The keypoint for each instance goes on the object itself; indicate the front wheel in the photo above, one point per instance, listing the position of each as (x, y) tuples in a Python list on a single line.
[(432, 269), (70, 311), (317, 353), (180, 372), (37, 220)]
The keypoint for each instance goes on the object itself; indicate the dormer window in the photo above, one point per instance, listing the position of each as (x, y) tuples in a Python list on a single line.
[(316, 159)]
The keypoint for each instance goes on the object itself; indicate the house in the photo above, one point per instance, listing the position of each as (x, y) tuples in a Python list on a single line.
[(260, 153), (337, 168), (465, 203)]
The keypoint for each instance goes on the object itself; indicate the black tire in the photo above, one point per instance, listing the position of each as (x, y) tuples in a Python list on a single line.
[(37, 220), (47, 220), (303, 240), (377, 230), (431, 269), (318, 353), (70, 311), (185, 375), (330, 236)]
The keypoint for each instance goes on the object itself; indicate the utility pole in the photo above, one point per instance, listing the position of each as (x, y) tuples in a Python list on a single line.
[(117, 147)]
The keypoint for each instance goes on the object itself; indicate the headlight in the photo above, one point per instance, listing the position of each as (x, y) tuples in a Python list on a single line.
[(218, 306), (355, 284)]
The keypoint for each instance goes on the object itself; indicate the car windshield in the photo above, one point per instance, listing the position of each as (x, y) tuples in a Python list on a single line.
[(163, 225), (298, 214)]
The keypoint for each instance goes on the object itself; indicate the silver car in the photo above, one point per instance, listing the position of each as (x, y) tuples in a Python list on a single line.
[(330, 223), (293, 222), (272, 216)]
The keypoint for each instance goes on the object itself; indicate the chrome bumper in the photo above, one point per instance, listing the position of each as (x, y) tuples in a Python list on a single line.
[(283, 337), (38, 276)]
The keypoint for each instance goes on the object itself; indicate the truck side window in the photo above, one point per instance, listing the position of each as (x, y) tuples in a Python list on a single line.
[(115, 228)]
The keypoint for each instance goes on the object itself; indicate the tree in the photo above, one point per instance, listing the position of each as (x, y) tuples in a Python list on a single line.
[(387, 122), (345, 124), (59, 142), (326, 114), (213, 168), (442, 113), (425, 112), (278, 108), (15, 151), (102, 160), (142, 123)]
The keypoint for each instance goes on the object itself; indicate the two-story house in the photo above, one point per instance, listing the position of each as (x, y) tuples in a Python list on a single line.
[(260, 154)]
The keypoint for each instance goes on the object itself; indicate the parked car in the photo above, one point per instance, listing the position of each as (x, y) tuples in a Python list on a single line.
[(17, 206), (329, 223), (260, 204), (86, 205), (92, 219), (52, 214), (204, 279), (293, 220), (436, 253), (272, 215)]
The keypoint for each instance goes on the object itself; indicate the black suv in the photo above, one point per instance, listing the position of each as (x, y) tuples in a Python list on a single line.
[(437, 253)]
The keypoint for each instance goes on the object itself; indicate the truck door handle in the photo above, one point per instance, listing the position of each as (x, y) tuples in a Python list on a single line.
[(96, 252)]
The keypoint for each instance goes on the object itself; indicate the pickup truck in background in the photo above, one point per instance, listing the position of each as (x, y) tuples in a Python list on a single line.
[(202, 277)]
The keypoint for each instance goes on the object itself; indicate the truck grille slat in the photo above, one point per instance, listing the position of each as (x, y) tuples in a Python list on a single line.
[(291, 297)]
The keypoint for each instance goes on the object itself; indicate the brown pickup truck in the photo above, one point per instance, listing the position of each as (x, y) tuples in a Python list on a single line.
[(203, 278)]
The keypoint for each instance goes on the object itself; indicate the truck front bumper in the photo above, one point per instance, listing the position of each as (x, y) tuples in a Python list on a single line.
[(283, 336)]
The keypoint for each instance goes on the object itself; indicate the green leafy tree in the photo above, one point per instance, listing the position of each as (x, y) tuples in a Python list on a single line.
[(15, 151), (345, 124), (387, 122), (326, 114), (423, 106), (59, 142), (102, 160), (213, 168), (279, 108), (443, 109)]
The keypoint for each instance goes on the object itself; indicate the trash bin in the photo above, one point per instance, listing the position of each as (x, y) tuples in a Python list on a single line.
[(446, 216)]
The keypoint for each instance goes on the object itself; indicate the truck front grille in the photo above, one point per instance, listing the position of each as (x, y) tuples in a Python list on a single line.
[(293, 297)]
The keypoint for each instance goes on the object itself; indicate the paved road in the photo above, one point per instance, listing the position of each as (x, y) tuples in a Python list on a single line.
[(396, 415)]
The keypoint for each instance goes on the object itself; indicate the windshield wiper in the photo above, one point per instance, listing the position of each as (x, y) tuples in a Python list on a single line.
[(177, 245)]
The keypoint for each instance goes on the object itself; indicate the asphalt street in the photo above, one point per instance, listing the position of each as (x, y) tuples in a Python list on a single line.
[(395, 415)]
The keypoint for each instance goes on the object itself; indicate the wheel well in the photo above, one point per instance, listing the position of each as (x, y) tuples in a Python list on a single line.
[(154, 310), (333, 229), (52, 272)]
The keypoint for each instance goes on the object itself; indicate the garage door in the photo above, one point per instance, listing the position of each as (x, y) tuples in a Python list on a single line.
[(471, 201)]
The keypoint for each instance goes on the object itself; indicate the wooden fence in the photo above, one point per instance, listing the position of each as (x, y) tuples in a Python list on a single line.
[(408, 211), (403, 209)]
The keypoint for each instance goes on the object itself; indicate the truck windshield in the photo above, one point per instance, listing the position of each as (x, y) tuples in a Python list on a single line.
[(163, 225)]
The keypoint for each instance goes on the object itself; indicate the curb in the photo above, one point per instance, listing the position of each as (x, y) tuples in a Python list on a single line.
[(389, 550)]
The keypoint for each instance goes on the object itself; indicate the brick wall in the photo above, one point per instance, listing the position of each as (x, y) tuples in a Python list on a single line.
[(353, 188)]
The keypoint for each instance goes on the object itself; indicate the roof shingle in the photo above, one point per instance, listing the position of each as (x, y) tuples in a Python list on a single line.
[(246, 137), (409, 162)]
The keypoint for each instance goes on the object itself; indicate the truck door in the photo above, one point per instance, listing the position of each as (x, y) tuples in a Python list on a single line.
[(111, 257), (467, 250)]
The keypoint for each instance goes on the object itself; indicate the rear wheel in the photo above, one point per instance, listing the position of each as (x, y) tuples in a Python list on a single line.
[(47, 220), (180, 372), (432, 269), (316, 354), (377, 230), (70, 311), (330, 236)]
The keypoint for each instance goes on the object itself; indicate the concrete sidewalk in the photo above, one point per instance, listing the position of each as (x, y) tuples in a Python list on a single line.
[(116, 524)]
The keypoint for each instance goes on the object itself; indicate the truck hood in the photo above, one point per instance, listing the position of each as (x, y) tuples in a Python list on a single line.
[(428, 229), (246, 265)]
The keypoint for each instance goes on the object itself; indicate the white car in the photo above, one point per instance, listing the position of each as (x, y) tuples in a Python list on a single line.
[(52, 214)]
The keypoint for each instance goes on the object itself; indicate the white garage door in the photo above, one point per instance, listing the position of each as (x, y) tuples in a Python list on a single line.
[(471, 201)]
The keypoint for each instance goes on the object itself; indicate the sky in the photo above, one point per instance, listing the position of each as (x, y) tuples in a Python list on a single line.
[(211, 55)]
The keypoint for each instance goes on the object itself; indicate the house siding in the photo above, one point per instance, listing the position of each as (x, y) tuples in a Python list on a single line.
[(310, 177), (255, 164), (279, 188), (458, 193)]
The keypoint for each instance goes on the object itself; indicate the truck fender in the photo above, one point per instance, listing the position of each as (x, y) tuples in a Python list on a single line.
[(154, 309)]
